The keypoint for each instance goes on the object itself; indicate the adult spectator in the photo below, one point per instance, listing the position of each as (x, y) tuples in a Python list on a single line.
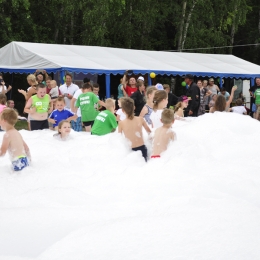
[(68, 89), (48, 84), (224, 93), (131, 87), (204, 93), (139, 97), (193, 92), (252, 92), (121, 90), (3, 88), (172, 99), (39, 74), (214, 89)]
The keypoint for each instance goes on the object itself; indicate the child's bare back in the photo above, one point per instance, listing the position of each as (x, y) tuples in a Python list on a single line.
[(132, 129), (162, 137)]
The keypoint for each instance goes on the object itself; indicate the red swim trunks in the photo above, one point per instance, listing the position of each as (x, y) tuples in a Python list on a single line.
[(155, 156)]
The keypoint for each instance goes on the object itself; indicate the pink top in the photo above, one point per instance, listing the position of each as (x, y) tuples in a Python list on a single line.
[(2, 107)]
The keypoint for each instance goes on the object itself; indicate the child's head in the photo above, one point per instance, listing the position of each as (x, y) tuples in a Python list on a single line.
[(95, 88), (60, 103), (239, 102), (214, 97), (110, 104), (31, 79), (64, 128), (167, 117), (87, 87), (220, 103), (160, 99), (2, 99), (128, 107), (8, 116), (183, 102), (150, 91), (10, 103), (41, 90), (53, 83)]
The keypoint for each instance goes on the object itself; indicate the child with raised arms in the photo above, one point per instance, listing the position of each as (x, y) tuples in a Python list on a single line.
[(13, 141), (160, 102), (38, 107), (60, 113), (148, 107), (105, 122), (163, 135), (131, 127), (183, 102), (63, 130), (86, 102)]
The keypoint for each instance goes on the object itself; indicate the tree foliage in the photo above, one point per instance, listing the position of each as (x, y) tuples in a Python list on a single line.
[(150, 24)]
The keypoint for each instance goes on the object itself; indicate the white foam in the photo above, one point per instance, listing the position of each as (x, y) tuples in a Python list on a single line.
[(93, 198)]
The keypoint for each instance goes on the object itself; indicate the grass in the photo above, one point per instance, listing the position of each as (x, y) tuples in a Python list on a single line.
[(21, 124)]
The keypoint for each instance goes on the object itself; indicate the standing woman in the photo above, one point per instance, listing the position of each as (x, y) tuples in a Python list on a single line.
[(31, 79)]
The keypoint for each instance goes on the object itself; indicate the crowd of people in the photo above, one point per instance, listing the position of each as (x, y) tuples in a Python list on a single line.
[(152, 108)]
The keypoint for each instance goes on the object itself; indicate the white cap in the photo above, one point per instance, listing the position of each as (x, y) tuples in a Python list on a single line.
[(141, 78)]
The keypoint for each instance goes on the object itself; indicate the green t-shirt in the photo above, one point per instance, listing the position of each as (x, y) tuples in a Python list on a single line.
[(257, 96), (86, 103), (104, 123), (41, 104)]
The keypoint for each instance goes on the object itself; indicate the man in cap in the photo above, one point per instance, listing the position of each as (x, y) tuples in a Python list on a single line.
[(193, 92)]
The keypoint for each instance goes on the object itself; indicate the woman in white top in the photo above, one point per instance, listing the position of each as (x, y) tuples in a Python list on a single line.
[(160, 102)]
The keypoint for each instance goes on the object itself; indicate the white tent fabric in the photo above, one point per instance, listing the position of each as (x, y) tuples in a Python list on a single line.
[(20, 57)]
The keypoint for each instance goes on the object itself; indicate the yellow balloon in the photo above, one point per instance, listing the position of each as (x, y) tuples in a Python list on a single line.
[(152, 75)]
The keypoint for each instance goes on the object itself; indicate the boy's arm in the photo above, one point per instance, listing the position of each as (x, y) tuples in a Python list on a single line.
[(5, 145), (74, 117), (100, 102), (27, 150), (231, 96), (120, 127), (27, 108), (146, 127), (50, 105)]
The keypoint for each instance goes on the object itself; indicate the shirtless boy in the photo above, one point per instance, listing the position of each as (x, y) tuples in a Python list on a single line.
[(163, 135), (132, 127), (13, 141)]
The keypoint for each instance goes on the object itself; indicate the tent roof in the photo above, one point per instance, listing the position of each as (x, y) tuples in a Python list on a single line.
[(26, 57)]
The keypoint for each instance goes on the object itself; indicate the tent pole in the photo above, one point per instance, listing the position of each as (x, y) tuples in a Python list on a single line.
[(108, 85), (62, 74), (252, 82), (220, 82), (149, 80)]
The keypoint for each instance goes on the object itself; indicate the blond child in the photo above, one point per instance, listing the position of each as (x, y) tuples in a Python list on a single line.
[(163, 135), (160, 102), (63, 130), (132, 127), (60, 113), (105, 122), (148, 107), (180, 106), (13, 141), (119, 113)]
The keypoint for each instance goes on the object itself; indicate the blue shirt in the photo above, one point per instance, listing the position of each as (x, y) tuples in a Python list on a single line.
[(60, 115)]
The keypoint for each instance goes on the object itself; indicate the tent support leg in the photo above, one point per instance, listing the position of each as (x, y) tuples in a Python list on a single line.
[(108, 85), (220, 82), (62, 74), (252, 82), (149, 80)]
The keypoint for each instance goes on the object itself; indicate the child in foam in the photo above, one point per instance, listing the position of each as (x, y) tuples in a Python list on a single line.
[(38, 107), (148, 107), (13, 141), (180, 106), (86, 102), (60, 113), (63, 130), (163, 135), (132, 127), (160, 101), (105, 122), (120, 116), (239, 108)]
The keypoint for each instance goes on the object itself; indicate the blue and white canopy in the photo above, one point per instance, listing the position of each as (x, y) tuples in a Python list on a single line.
[(24, 57)]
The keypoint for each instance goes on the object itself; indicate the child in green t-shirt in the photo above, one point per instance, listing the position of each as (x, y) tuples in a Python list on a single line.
[(257, 102), (105, 121), (86, 103)]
